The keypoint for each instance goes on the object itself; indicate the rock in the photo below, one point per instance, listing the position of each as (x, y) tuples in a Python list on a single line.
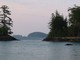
[(68, 44), (7, 38)]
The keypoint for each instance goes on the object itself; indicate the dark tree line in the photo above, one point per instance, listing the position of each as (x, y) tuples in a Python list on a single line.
[(74, 19), (59, 25)]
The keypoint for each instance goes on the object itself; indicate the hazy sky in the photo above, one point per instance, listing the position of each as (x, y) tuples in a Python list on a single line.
[(34, 15)]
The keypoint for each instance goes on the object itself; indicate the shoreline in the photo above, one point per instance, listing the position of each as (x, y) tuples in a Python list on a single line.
[(7, 38), (63, 39)]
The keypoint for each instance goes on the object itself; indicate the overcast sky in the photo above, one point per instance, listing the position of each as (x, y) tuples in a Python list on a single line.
[(34, 15)]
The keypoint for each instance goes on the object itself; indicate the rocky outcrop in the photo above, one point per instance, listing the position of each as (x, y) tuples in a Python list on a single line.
[(7, 38), (63, 39)]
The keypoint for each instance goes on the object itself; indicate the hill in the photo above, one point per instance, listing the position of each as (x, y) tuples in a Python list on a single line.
[(36, 35), (32, 36)]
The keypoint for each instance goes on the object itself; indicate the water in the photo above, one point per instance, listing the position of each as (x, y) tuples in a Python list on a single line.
[(38, 50)]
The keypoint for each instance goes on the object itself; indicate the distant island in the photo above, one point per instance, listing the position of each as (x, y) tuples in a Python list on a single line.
[(65, 29), (37, 36), (5, 24), (32, 36)]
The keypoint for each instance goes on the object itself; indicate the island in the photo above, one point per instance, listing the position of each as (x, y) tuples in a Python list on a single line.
[(5, 24), (32, 36), (63, 29), (36, 36)]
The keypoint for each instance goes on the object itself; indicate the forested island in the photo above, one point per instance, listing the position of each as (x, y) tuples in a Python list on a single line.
[(5, 24), (32, 36), (65, 28)]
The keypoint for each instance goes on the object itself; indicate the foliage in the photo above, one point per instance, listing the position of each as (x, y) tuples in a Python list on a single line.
[(5, 21), (74, 18), (58, 25)]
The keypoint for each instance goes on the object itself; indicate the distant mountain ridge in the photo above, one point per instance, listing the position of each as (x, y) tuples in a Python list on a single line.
[(32, 36)]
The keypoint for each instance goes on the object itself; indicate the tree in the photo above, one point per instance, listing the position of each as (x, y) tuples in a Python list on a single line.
[(74, 18), (58, 25), (5, 21)]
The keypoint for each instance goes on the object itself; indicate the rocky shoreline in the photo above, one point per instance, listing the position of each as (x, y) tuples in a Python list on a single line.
[(7, 38), (63, 39)]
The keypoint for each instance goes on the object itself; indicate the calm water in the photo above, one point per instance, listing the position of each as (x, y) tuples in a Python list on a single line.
[(38, 50)]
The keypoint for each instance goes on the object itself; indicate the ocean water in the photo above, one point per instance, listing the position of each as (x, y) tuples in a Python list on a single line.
[(38, 50)]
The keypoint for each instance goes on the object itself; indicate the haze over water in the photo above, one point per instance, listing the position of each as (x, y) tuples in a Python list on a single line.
[(38, 50)]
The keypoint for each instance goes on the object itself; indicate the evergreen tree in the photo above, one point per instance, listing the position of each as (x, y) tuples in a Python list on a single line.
[(5, 21), (58, 25), (74, 18)]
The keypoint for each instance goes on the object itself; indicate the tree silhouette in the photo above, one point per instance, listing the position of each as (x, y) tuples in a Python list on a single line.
[(74, 18), (5, 21), (58, 25)]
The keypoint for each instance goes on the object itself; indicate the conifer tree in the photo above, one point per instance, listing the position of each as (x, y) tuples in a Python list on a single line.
[(58, 25), (5, 21), (74, 18)]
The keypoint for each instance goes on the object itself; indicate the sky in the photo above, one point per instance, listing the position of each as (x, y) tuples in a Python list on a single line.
[(34, 15)]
